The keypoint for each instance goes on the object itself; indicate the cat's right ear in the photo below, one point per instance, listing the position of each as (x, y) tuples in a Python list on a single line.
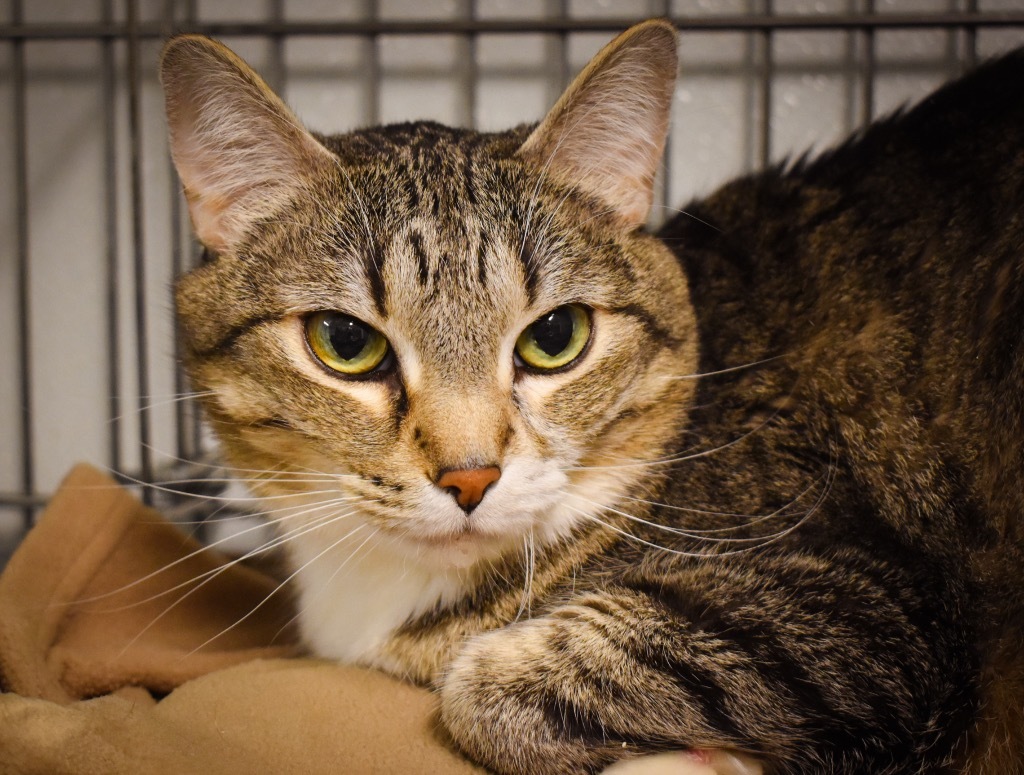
[(607, 133), (240, 152)]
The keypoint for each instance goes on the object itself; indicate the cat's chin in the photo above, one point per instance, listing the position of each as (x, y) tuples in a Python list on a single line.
[(460, 550)]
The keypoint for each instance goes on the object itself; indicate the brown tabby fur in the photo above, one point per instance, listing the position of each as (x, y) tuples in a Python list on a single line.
[(805, 542)]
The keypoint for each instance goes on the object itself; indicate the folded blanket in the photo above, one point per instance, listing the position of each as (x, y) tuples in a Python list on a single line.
[(105, 604)]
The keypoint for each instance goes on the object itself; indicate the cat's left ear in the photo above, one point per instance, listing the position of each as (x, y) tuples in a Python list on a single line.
[(606, 134)]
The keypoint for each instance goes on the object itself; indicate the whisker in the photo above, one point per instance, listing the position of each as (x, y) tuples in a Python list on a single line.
[(527, 577), (200, 550), (200, 496), (753, 518), (533, 571), (693, 534), (264, 515), (728, 370), (688, 214), (668, 460), (163, 401), (273, 592), (227, 480), (210, 577), (626, 534), (717, 553), (323, 588), (224, 466), (689, 456)]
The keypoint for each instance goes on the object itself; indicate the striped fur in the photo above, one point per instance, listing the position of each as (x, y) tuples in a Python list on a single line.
[(800, 541)]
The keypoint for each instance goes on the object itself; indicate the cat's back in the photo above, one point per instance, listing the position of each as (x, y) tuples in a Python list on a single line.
[(889, 273), (945, 175), (887, 278)]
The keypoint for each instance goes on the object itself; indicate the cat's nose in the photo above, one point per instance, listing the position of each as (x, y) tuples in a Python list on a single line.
[(468, 485)]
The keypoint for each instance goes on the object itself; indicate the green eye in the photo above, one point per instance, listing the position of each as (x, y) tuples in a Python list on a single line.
[(555, 339), (344, 344)]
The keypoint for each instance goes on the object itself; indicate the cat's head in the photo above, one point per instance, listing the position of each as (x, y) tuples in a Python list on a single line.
[(446, 339)]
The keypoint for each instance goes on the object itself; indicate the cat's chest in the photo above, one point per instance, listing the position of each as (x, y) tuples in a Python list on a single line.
[(351, 601)]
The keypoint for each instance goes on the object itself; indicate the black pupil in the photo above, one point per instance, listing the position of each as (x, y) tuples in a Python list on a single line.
[(553, 332), (347, 336)]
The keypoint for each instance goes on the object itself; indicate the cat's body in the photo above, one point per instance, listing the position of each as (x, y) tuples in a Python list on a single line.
[(772, 502)]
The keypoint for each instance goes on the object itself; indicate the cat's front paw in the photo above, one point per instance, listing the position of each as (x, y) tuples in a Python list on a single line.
[(500, 701), (548, 696)]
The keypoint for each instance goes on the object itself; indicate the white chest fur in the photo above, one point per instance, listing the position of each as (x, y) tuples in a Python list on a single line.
[(352, 598)]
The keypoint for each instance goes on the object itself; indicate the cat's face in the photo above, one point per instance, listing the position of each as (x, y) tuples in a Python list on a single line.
[(451, 342)]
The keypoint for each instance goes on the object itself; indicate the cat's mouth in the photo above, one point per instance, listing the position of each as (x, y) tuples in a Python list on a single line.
[(462, 547), (466, 537)]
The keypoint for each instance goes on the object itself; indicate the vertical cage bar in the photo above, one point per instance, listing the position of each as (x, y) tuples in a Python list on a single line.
[(869, 69), (751, 96), (664, 9), (971, 37), (565, 71), (195, 252), (471, 74), (767, 79), (108, 92), (182, 406), (954, 59), (373, 79), (139, 251), (28, 475), (275, 71), (851, 71), (167, 17)]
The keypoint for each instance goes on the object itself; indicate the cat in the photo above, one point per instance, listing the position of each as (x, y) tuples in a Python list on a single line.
[(751, 484)]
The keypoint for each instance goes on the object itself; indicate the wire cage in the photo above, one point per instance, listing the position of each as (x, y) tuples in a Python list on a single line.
[(92, 223)]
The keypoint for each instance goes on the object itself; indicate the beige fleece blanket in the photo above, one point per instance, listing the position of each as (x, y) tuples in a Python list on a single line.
[(88, 637)]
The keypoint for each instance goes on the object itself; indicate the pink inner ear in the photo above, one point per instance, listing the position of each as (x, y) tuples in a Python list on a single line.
[(238, 149), (231, 180), (208, 220), (607, 132)]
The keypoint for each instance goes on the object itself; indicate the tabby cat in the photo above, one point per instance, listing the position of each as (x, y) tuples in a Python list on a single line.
[(752, 484)]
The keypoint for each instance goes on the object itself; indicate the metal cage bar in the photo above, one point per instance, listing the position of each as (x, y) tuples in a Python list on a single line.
[(719, 23), (764, 147), (373, 77), (970, 37), (142, 380), (113, 280), (120, 36), (867, 95), (22, 220)]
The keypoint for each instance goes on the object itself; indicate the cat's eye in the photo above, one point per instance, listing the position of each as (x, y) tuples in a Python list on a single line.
[(345, 344), (555, 339)]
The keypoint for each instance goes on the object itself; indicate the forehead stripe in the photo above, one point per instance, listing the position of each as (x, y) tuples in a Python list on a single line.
[(416, 243), (373, 264), (527, 255), (467, 166), (483, 245)]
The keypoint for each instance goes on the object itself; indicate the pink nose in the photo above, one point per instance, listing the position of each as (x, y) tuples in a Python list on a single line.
[(468, 485)]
